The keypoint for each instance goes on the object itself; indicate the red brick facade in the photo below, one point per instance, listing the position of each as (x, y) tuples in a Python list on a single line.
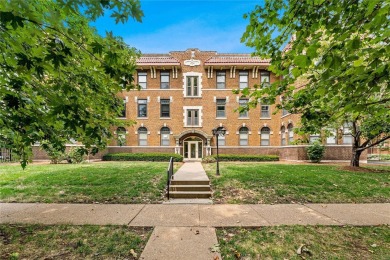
[(183, 100)]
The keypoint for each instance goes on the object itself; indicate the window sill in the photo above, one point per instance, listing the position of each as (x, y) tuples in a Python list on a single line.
[(142, 118), (221, 118), (243, 118), (122, 118), (165, 118), (285, 115), (193, 126), (266, 118), (193, 97)]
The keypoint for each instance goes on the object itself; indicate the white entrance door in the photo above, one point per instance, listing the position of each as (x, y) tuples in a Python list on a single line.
[(193, 150)]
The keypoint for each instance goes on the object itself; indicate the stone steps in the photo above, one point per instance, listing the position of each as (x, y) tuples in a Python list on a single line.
[(190, 194), (189, 188)]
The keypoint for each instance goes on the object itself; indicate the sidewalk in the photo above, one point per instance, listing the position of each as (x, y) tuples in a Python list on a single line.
[(223, 215), (187, 231)]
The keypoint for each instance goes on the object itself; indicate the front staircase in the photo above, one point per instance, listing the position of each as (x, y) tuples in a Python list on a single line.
[(190, 182), (187, 189)]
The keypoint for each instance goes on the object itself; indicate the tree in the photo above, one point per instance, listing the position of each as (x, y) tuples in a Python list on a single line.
[(338, 52), (58, 77)]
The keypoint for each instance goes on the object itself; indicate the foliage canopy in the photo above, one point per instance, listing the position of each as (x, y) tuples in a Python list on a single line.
[(338, 51), (58, 77)]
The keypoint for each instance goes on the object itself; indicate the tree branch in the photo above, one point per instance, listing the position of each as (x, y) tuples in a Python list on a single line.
[(373, 144)]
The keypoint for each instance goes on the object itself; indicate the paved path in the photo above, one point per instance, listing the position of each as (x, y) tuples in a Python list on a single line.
[(191, 171), (187, 231), (219, 215)]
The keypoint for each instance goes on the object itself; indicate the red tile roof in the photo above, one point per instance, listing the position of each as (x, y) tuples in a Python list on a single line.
[(235, 59), (157, 59)]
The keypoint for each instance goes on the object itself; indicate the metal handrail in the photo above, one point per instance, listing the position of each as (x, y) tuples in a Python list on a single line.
[(169, 175)]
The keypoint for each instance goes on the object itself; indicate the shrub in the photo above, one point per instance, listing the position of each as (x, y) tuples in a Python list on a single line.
[(246, 158), (55, 153), (209, 159), (76, 155), (315, 152), (153, 157)]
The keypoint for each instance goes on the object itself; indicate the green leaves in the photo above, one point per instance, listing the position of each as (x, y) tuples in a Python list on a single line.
[(54, 81), (338, 49)]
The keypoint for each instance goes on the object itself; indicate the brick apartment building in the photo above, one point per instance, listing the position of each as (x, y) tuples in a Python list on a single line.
[(186, 94)]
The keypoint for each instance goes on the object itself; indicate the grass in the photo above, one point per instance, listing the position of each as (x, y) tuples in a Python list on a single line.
[(71, 242), (318, 242), (108, 182), (283, 183)]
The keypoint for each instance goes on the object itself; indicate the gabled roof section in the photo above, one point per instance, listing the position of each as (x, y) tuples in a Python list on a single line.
[(236, 59), (157, 59)]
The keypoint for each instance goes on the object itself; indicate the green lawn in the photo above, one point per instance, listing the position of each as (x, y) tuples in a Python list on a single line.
[(72, 242), (283, 183), (318, 242), (106, 182)]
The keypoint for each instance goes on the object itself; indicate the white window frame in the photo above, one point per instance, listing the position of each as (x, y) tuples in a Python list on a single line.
[(244, 114), (265, 137), (221, 74), (241, 135), (143, 84), (164, 140), (164, 74), (268, 110), (200, 115), (192, 74), (141, 135), (243, 73), (220, 105)]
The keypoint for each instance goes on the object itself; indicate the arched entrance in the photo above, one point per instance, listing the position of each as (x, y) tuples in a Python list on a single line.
[(193, 144)]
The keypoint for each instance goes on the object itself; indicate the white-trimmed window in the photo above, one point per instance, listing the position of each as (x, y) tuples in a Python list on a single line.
[(347, 133), (192, 117), (243, 103), (332, 138), (221, 107), (164, 80), (192, 86), (290, 130), (283, 136), (142, 107), (142, 79), (243, 76), (221, 79), (265, 111), (265, 78), (265, 136), (121, 136), (165, 108), (165, 133), (314, 137), (244, 136), (142, 136)]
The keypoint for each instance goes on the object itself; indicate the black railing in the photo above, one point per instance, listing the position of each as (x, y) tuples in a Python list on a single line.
[(6, 155), (169, 175)]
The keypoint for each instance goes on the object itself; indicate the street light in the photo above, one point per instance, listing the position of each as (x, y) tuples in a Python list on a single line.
[(220, 131)]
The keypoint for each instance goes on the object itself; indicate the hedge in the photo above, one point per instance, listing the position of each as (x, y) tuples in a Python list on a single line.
[(153, 157), (247, 158)]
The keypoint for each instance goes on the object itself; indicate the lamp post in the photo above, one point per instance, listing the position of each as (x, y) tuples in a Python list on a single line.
[(220, 131)]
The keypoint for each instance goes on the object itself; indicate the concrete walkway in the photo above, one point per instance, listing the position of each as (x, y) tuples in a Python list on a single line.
[(188, 231), (220, 215), (191, 171)]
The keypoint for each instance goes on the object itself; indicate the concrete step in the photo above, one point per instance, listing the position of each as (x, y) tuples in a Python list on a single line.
[(190, 194), (190, 188), (190, 182), (188, 201)]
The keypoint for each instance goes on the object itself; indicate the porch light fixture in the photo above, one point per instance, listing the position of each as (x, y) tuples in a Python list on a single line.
[(220, 131)]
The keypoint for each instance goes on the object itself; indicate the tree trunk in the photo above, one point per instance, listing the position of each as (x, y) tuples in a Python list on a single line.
[(355, 156)]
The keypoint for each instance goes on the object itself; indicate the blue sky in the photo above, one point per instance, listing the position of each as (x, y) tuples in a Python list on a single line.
[(181, 24)]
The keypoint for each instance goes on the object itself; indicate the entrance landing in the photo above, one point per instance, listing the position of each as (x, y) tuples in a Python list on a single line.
[(191, 171)]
